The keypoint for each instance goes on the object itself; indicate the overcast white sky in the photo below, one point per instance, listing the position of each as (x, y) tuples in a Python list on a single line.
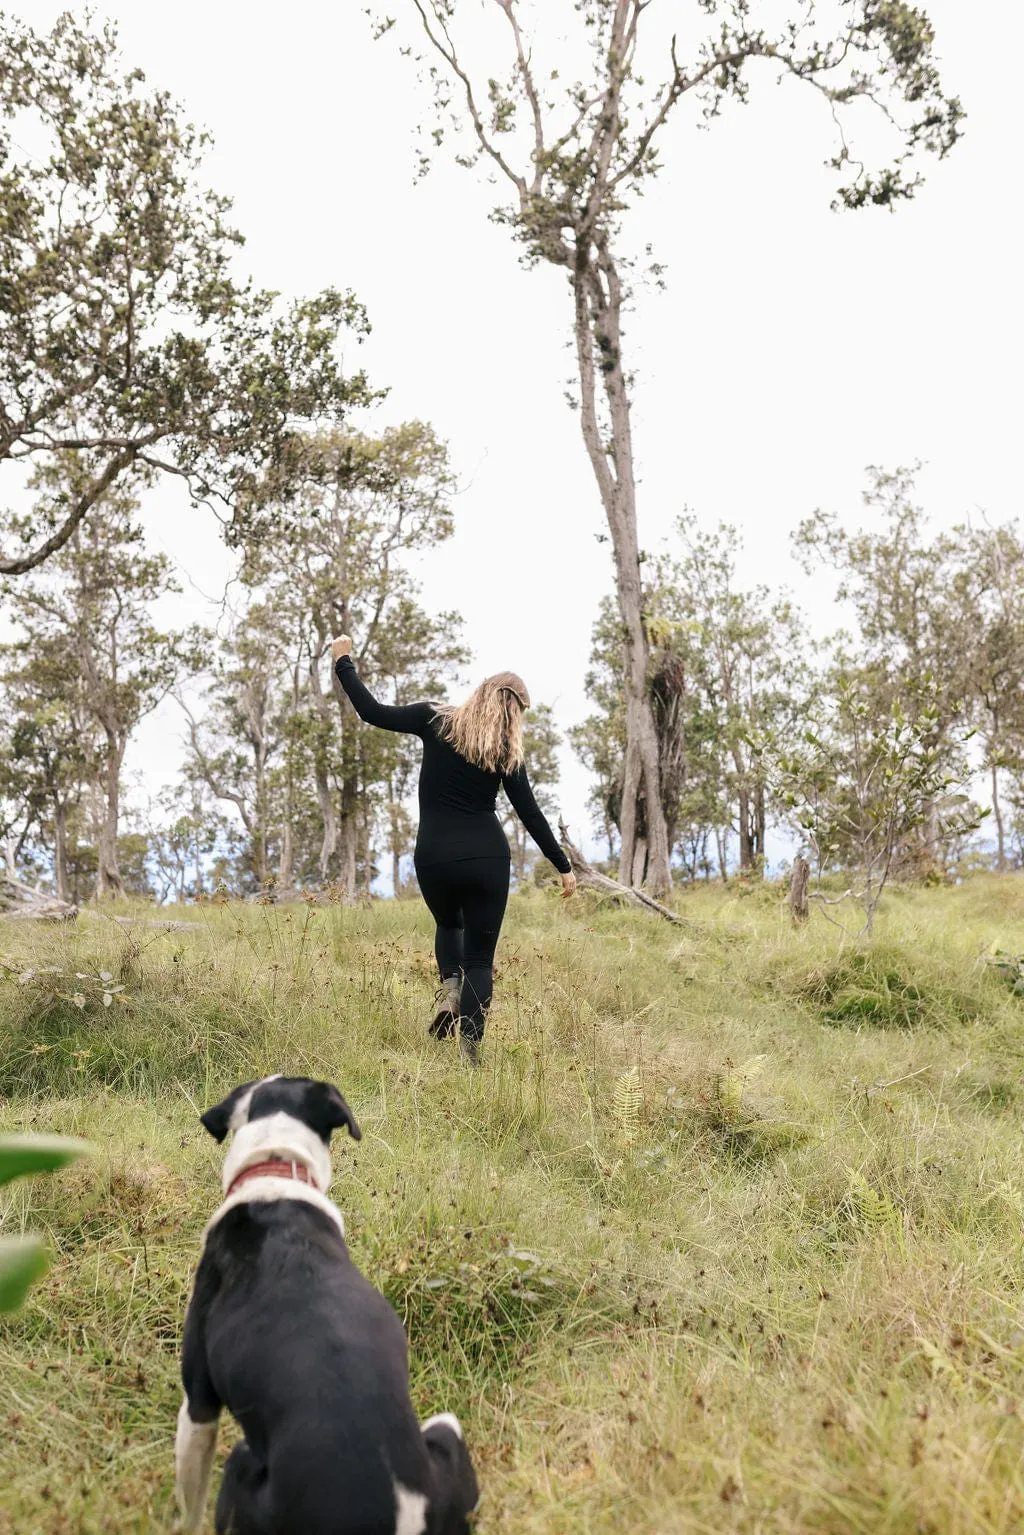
[(793, 346)]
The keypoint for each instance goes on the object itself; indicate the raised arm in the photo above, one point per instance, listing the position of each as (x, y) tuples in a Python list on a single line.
[(411, 718), (517, 786)]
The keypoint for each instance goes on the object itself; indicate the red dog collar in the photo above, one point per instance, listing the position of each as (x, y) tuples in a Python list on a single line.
[(276, 1168)]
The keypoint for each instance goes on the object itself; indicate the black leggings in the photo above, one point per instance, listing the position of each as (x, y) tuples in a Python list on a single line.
[(467, 900)]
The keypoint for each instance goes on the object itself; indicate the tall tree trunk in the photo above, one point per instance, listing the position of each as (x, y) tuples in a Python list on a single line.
[(721, 846), (346, 837), (997, 811), (60, 849), (259, 842), (286, 862), (330, 842), (364, 845), (519, 852), (760, 828), (396, 851), (334, 841), (598, 334), (109, 884), (743, 817)]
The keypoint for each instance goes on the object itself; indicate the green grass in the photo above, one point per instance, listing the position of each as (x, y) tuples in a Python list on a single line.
[(726, 1234)]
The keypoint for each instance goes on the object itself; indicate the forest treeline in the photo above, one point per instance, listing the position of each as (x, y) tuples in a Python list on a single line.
[(760, 725), (132, 352)]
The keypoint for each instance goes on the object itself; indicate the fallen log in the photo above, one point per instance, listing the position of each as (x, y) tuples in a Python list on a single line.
[(25, 903), (279, 895), (169, 925), (591, 879)]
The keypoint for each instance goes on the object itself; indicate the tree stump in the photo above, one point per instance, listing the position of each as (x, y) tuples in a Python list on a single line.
[(799, 881)]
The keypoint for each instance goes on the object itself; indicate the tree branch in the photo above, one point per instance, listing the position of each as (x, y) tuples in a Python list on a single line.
[(86, 501), (205, 767), (529, 86), (447, 51)]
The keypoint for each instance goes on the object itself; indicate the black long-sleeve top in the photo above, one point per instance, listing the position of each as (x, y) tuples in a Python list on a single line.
[(457, 798)]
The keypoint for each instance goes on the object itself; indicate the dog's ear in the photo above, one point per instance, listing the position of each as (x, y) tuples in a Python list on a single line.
[(218, 1119), (329, 1111)]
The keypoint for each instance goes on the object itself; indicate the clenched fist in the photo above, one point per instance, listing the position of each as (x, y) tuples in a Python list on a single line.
[(342, 646)]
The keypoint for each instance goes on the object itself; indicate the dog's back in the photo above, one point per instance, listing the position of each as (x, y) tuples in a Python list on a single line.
[(284, 1331), (311, 1361)]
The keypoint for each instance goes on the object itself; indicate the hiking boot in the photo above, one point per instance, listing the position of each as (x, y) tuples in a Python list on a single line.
[(446, 1004), (470, 1049)]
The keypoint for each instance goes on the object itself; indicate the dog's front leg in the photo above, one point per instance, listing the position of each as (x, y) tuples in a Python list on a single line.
[(194, 1448)]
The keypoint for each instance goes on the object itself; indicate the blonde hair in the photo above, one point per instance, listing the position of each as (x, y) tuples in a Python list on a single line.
[(488, 728)]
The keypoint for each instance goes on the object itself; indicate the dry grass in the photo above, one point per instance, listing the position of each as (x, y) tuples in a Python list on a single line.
[(725, 1235)]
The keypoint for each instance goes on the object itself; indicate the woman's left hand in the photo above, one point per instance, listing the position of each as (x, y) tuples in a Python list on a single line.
[(342, 646)]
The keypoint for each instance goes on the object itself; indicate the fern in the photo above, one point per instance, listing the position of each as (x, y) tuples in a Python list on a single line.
[(730, 1086), (627, 1103), (870, 1208)]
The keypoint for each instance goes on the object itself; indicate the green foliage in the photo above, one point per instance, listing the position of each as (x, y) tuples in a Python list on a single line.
[(729, 1087), (865, 779), (313, 787), (726, 674), (558, 133), (183, 832), (21, 1156), (165, 363), (891, 1003), (872, 988), (869, 1208), (948, 605), (86, 665), (23, 1260), (571, 159), (1011, 969), (627, 1106)]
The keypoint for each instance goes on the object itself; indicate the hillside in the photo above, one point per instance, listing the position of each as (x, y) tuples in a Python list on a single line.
[(724, 1235)]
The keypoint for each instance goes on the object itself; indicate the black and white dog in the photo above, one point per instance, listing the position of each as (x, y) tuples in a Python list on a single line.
[(284, 1331)]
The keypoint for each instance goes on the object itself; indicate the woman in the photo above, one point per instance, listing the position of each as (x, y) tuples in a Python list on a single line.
[(462, 858)]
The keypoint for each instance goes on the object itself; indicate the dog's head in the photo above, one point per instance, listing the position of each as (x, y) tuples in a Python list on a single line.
[(318, 1105), (288, 1117)]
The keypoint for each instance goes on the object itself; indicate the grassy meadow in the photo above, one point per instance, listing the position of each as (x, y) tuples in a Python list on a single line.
[(725, 1234)]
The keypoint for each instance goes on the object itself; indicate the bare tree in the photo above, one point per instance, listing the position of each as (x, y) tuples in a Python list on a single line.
[(574, 157)]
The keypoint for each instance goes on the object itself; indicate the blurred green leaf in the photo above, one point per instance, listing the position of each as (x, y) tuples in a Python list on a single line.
[(22, 1155), (23, 1260)]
